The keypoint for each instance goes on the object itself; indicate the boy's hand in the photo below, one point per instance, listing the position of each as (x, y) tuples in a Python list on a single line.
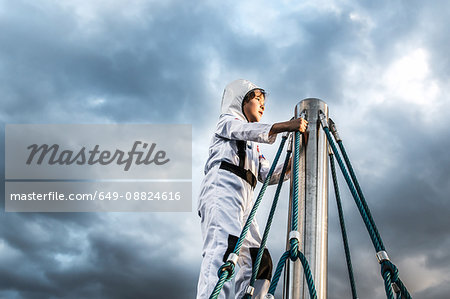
[(299, 124), (303, 125)]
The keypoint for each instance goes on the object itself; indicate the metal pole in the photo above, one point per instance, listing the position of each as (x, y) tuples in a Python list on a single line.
[(313, 205)]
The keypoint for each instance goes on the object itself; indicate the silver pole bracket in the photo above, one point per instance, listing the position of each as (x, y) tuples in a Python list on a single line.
[(382, 256), (289, 147), (323, 119), (269, 296), (303, 115), (249, 290), (294, 235), (334, 130), (330, 151), (233, 258)]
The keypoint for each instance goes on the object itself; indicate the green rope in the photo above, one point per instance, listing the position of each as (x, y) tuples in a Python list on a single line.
[(222, 279), (294, 209), (362, 210), (278, 271), (259, 198), (306, 271), (358, 189), (343, 230), (294, 253), (388, 270), (226, 268), (269, 223)]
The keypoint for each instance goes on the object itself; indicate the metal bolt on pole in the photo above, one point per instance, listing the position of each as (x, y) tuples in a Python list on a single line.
[(313, 205)]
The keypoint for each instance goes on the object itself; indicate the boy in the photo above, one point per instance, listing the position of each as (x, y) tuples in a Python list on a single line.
[(226, 196)]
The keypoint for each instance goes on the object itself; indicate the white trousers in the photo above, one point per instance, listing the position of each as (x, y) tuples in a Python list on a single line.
[(222, 220)]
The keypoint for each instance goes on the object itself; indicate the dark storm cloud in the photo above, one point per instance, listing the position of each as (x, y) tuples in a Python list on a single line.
[(51, 258), (57, 67), (413, 197), (122, 266), (132, 65), (314, 67), (441, 291)]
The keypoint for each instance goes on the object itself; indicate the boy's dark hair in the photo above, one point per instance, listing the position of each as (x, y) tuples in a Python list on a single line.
[(251, 94)]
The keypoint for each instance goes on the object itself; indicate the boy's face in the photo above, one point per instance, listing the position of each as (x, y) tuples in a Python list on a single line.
[(254, 108)]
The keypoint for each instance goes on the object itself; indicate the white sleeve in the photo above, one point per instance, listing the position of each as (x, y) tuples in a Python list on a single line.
[(264, 168), (233, 128)]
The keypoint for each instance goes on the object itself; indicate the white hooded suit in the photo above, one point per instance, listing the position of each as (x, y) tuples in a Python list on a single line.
[(226, 199)]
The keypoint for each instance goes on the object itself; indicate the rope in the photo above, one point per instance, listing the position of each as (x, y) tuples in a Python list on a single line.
[(343, 230), (306, 271), (294, 225), (260, 196), (294, 253), (222, 279), (278, 271), (227, 269), (269, 223), (358, 189), (370, 228), (387, 285), (389, 271), (403, 291), (390, 275)]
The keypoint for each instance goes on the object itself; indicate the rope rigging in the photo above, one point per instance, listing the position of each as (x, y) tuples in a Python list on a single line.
[(268, 224), (226, 271), (342, 224), (294, 236), (389, 271)]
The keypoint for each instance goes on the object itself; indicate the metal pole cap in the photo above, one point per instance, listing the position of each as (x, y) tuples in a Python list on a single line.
[(269, 296)]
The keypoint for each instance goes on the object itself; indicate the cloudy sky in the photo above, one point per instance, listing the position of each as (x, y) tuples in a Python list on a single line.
[(382, 67)]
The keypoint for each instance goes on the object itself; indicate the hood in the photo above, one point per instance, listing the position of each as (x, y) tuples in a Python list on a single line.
[(233, 95)]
